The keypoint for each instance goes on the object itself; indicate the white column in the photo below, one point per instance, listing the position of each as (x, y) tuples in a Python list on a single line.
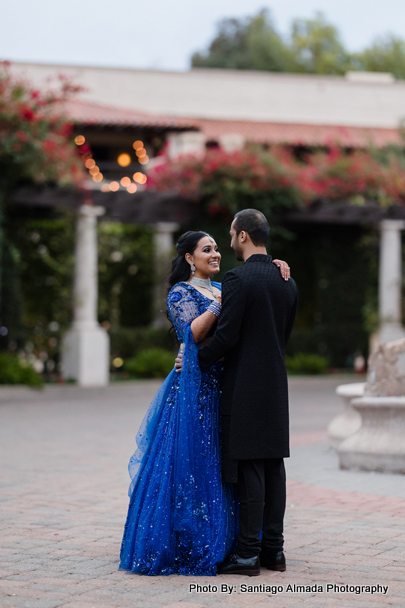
[(390, 281), (187, 142), (232, 142), (163, 253), (85, 356)]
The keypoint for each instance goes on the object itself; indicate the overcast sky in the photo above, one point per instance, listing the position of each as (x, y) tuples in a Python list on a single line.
[(163, 34)]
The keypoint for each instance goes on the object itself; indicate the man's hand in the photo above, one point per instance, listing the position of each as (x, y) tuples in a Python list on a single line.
[(284, 269), (179, 359)]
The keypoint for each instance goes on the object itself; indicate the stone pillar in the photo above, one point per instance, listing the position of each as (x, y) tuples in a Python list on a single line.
[(390, 281), (232, 142), (187, 142), (163, 253), (85, 356)]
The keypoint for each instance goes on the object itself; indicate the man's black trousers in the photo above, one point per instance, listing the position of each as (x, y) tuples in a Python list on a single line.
[(262, 497)]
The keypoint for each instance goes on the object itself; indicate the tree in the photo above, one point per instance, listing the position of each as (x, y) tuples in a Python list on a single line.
[(247, 44), (317, 47), (386, 54)]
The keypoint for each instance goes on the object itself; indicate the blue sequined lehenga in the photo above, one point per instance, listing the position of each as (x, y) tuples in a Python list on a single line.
[(181, 518)]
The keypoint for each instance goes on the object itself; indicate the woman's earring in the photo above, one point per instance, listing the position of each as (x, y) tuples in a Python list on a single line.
[(192, 268)]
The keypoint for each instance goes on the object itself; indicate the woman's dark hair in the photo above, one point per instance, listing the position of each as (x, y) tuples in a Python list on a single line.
[(254, 223), (186, 244)]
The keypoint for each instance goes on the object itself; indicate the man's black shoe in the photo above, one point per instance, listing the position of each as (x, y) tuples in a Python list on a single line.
[(234, 564), (273, 561)]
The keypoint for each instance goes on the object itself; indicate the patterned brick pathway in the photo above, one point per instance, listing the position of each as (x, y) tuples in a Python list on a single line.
[(63, 502)]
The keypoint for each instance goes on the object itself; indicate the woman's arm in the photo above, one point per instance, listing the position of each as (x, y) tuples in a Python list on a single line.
[(202, 325), (284, 268)]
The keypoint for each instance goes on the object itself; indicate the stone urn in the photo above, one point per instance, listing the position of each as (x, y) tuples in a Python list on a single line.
[(379, 444), (348, 421)]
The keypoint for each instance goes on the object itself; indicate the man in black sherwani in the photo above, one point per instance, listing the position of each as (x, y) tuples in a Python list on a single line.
[(258, 311)]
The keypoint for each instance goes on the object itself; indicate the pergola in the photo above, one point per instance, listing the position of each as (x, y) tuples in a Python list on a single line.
[(110, 129)]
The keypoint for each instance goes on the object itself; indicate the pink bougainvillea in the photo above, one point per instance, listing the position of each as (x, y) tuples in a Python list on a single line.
[(35, 136), (222, 179)]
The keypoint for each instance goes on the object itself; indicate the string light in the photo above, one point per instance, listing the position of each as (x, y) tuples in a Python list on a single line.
[(79, 140), (124, 160), (90, 163), (125, 181), (94, 170), (139, 177), (114, 186), (132, 188), (141, 153), (98, 177), (144, 160), (137, 145)]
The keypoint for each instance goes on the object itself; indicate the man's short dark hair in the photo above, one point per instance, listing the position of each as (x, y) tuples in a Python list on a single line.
[(254, 223)]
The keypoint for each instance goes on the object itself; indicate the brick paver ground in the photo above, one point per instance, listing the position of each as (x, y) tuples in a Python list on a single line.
[(63, 502)]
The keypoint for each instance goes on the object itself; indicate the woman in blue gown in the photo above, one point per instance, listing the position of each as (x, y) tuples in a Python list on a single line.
[(181, 518)]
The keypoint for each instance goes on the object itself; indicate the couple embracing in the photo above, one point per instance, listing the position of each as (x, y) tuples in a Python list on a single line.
[(208, 481)]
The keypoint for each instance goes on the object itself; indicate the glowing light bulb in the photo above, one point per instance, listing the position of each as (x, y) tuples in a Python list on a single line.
[(138, 177), (118, 362), (114, 186), (79, 140), (124, 160), (98, 177), (141, 153), (137, 145), (144, 160), (132, 188), (90, 163), (94, 170)]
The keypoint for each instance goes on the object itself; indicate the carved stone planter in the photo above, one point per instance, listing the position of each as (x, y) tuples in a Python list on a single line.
[(379, 444), (348, 421)]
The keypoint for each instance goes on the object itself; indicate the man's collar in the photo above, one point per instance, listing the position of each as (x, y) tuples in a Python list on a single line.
[(259, 257)]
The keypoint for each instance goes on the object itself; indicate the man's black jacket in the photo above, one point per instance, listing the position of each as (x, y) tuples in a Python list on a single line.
[(258, 312)]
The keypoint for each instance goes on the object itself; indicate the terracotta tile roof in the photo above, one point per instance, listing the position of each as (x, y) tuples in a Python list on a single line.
[(299, 134), (89, 113)]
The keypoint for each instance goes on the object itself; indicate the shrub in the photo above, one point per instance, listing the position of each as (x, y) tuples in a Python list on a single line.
[(151, 363), (15, 371), (306, 363), (127, 342)]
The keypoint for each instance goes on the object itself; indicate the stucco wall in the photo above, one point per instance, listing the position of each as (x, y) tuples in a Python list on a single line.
[(238, 95)]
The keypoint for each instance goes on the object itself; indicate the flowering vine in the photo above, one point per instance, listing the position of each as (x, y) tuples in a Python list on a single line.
[(275, 179), (35, 136)]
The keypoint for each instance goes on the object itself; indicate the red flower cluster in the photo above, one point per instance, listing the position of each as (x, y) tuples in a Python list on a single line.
[(34, 134), (223, 179), (339, 176)]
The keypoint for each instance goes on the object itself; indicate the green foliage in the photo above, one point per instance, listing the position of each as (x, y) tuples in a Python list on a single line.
[(305, 363), (127, 342), (247, 44), (313, 46), (43, 264), (336, 276), (151, 363), (126, 274), (386, 54), (40, 262), (14, 371), (317, 47)]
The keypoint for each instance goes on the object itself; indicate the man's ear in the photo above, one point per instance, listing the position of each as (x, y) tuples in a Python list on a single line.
[(243, 236)]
